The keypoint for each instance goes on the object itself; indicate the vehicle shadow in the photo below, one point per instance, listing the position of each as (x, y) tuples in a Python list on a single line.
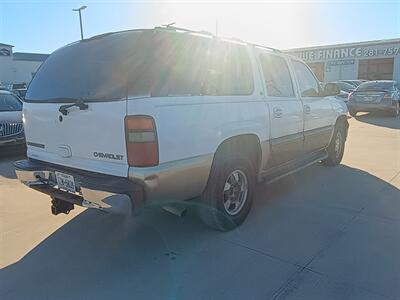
[(157, 255), (380, 119), (6, 164)]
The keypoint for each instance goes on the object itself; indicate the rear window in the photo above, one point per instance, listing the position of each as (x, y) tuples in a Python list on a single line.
[(94, 69), (376, 85), (143, 63), (9, 103), (344, 86)]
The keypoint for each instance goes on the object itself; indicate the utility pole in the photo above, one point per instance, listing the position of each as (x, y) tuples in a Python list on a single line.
[(79, 10)]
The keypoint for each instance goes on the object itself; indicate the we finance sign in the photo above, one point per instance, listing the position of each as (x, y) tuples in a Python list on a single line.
[(347, 52)]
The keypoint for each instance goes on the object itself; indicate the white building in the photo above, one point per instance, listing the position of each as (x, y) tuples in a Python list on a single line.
[(371, 60), (18, 67)]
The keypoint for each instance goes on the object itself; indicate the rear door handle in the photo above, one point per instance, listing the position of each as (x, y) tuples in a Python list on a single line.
[(307, 109), (278, 112)]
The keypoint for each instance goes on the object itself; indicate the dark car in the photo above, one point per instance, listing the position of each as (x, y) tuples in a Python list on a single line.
[(20, 93), (371, 96), (12, 135)]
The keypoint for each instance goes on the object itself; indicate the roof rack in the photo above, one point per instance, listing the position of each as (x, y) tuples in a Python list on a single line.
[(172, 27), (175, 28), (265, 47)]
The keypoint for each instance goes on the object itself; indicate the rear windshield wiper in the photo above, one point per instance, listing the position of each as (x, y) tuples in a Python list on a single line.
[(79, 103)]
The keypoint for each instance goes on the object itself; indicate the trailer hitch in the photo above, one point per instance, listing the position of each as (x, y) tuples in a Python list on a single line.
[(59, 206)]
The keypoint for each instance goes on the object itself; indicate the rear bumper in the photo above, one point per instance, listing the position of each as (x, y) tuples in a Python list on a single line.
[(369, 107), (105, 192), (16, 141)]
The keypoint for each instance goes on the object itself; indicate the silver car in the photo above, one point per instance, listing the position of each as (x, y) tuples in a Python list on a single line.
[(372, 96), (12, 135)]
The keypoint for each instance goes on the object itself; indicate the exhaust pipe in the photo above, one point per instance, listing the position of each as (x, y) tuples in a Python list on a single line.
[(175, 209)]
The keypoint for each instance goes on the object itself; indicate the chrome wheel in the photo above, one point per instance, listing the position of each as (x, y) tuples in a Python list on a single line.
[(338, 144), (235, 192)]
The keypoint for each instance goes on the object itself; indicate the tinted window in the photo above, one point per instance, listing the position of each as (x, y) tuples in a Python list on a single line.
[(308, 85), (344, 86), (177, 64), (20, 93), (143, 63), (228, 70), (9, 103), (94, 69), (276, 76), (376, 85)]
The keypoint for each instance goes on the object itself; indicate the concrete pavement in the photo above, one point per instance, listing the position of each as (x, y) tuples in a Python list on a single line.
[(322, 233)]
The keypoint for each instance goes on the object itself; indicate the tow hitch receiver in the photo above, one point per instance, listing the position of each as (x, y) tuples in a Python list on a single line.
[(60, 206)]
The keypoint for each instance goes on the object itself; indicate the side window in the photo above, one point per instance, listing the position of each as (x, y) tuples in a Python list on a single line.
[(276, 76), (228, 70), (184, 65), (308, 85)]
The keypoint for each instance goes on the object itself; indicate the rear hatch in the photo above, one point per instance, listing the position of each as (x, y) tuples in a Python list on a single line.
[(76, 104)]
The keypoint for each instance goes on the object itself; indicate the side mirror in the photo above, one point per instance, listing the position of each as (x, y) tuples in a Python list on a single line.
[(331, 89)]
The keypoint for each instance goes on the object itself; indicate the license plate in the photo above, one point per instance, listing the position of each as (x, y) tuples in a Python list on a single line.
[(65, 181)]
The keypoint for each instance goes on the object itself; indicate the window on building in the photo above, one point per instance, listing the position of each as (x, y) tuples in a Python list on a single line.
[(376, 69), (276, 75)]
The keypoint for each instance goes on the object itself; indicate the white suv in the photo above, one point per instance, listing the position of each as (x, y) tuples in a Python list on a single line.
[(165, 115)]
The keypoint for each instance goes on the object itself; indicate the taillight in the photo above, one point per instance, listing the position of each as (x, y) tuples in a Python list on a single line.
[(349, 96), (388, 96), (141, 141)]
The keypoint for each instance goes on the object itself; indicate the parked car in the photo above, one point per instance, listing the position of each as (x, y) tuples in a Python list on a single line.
[(355, 82), (17, 86), (345, 89), (20, 93), (11, 130), (160, 116), (372, 96)]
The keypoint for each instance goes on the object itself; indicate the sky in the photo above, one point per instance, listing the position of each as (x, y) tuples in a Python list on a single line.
[(40, 26)]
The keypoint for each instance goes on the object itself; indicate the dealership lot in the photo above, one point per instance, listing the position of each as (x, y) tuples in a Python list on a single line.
[(319, 234)]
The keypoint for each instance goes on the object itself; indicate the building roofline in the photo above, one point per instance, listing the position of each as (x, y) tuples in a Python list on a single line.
[(26, 56), (7, 45), (373, 42)]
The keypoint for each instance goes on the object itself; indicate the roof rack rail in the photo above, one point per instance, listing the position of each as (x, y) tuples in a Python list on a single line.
[(172, 27), (265, 47)]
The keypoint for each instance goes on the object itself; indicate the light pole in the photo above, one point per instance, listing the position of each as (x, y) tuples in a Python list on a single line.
[(80, 17)]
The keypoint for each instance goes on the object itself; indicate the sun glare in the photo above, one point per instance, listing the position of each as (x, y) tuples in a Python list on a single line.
[(273, 24)]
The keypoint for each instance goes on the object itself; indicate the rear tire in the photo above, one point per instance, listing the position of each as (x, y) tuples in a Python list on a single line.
[(353, 113), (228, 197), (336, 147)]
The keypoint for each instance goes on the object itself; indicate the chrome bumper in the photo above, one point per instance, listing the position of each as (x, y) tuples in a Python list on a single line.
[(369, 107), (173, 181), (105, 192), (166, 183), (18, 140)]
